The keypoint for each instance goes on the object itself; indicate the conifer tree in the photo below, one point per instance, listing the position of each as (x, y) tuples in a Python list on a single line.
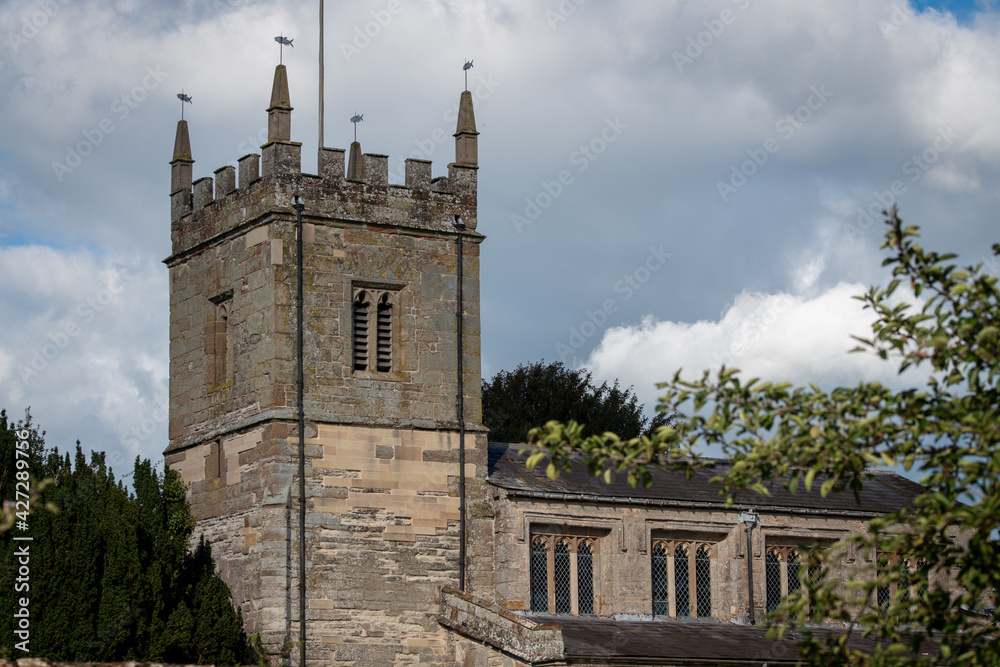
[(111, 575)]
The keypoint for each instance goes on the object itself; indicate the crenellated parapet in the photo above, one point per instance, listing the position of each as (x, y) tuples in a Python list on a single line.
[(349, 189)]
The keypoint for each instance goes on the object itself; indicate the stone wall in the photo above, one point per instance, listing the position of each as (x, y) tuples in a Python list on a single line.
[(624, 536)]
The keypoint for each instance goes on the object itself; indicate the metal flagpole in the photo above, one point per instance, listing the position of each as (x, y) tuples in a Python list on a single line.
[(321, 74)]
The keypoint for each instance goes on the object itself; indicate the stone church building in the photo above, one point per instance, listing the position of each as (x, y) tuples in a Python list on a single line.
[(557, 572)]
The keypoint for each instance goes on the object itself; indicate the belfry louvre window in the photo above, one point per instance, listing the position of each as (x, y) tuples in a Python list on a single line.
[(372, 325), (383, 351), (361, 308), (682, 578), (562, 574)]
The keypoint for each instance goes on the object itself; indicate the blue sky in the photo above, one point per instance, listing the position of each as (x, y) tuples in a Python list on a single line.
[(722, 154), (963, 10)]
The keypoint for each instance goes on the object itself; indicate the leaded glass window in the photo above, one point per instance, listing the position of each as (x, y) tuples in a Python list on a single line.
[(914, 579), (585, 578), (883, 594), (681, 578), (661, 587), (772, 579), (682, 588), (923, 578), (562, 574), (564, 599), (703, 582), (539, 576), (794, 583)]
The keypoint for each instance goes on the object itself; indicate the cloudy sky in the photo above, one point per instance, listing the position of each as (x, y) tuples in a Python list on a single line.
[(664, 183)]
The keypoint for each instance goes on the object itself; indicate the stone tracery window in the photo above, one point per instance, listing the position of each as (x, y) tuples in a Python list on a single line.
[(562, 574), (783, 573), (914, 579), (682, 578)]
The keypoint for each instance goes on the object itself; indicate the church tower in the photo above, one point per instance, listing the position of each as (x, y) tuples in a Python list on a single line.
[(381, 354)]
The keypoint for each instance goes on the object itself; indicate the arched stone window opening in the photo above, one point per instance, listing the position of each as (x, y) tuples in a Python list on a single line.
[(585, 578), (681, 573), (682, 586), (913, 583), (562, 574), (703, 582), (661, 582), (772, 579), (794, 583), (564, 598), (219, 343), (539, 576)]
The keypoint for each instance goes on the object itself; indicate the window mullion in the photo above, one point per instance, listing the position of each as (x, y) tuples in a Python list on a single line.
[(550, 569), (692, 582), (671, 588), (574, 579), (784, 572)]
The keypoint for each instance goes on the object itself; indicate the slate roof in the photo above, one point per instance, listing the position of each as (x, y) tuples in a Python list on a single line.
[(885, 492), (653, 642)]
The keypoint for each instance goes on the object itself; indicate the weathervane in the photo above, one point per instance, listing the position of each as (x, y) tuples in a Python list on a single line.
[(282, 43), (466, 67), (356, 118), (183, 98)]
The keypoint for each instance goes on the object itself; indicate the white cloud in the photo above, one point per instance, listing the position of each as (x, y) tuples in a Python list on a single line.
[(83, 351), (781, 237), (777, 337)]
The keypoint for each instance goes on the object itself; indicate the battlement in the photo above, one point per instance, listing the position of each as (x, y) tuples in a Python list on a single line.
[(265, 183)]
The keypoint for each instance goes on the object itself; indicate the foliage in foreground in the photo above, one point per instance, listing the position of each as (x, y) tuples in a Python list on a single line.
[(948, 429), (111, 577), (516, 401)]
